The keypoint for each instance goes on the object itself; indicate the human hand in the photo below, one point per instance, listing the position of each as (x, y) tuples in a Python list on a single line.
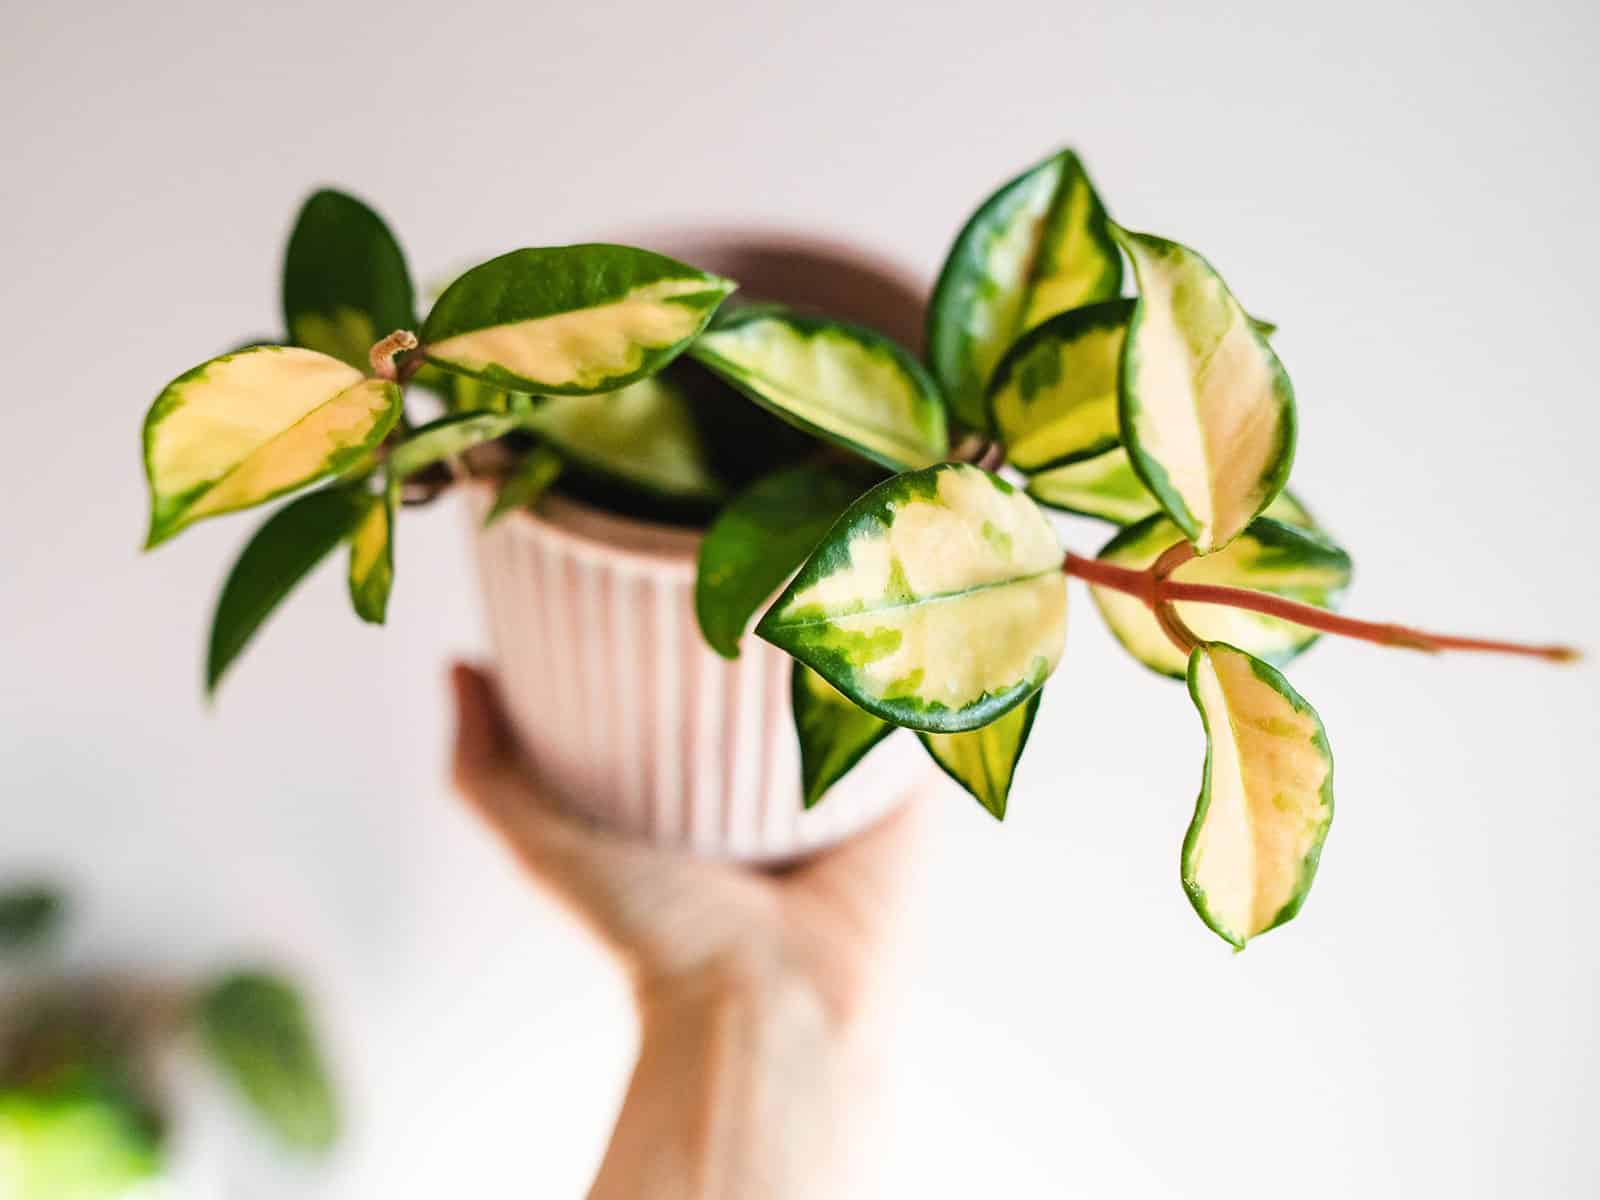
[(680, 923), (756, 1069)]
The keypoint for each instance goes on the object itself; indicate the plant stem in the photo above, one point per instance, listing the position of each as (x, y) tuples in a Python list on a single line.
[(1153, 591), (382, 354)]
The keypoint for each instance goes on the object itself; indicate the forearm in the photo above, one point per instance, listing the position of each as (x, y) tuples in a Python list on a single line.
[(744, 1087)]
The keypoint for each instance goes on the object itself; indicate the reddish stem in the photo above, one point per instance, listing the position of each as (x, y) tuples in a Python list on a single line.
[(383, 353), (1153, 591)]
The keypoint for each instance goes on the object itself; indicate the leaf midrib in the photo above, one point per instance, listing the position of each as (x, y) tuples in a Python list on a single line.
[(937, 598)]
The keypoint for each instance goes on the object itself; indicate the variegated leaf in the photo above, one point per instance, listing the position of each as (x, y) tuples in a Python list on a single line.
[(834, 733), (1269, 556), (256, 1031), (570, 320), (294, 539), (1039, 246), (937, 601), (1266, 798), (644, 435), (449, 436), (1053, 398), (984, 760), (1104, 487), (1207, 410), (247, 427), (842, 382), (527, 484), (372, 556), (345, 283), (756, 543)]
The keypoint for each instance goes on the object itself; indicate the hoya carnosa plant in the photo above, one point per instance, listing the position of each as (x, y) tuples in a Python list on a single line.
[(896, 505)]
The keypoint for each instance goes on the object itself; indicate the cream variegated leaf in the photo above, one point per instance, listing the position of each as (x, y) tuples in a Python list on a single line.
[(834, 733), (984, 760), (1104, 486), (1206, 410), (570, 320), (1270, 556), (1053, 398), (1266, 798), (644, 435), (841, 382), (1037, 247), (937, 601), (371, 575), (247, 427)]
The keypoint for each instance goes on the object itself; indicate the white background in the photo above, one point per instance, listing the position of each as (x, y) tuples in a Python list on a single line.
[(1409, 189)]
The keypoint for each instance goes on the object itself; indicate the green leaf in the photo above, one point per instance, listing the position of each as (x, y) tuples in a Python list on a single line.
[(256, 1030), (1053, 398), (644, 435), (293, 540), (1266, 798), (1207, 410), (1270, 556), (1104, 487), (984, 760), (73, 1146), (1107, 488), (936, 602), (1039, 246), (372, 556), (841, 382), (345, 283), (449, 436), (756, 543), (29, 916), (248, 427), (834, 733), (570, 320), (744, 442), (527, 484)]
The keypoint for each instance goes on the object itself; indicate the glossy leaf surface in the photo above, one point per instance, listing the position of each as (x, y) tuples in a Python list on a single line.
[(936, 601), (834, 733), (570, 320), (1206, 409), (1037, 247), (984, 760), (841, 382), (247, 427), (644, 435), (293, 540), (345, 282), (1053, 397), (758, 541), (372, 557), (1266, 798)]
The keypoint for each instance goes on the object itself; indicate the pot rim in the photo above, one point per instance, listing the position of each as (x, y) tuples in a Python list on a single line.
[(634, 544), (594, 534)]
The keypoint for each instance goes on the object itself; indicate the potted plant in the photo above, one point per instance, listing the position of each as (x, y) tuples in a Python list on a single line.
[(82, 1112), (897, 505)]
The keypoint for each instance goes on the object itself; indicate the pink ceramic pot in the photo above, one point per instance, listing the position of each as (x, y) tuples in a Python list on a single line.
[(631, 720)]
